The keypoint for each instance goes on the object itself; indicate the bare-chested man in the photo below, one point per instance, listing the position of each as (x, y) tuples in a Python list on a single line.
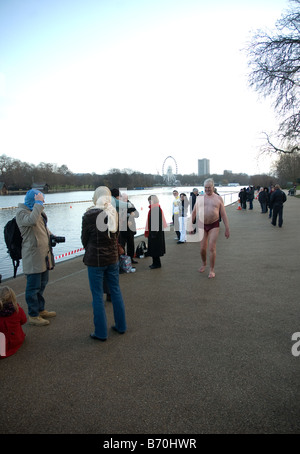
[(213, 209)]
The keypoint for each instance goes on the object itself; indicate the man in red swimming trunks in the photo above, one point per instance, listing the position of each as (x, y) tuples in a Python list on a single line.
[(213, 209)]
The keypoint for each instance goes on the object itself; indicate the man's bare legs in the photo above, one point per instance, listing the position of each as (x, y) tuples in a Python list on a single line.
[(211, 239), (203, 248)]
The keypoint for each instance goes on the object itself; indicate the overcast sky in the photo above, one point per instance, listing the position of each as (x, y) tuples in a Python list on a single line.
[(102, 84)]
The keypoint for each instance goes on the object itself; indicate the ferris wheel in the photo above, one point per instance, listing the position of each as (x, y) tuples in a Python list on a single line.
[(164, 163)]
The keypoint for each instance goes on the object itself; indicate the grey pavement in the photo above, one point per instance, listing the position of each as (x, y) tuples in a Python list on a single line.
[(201, 356)]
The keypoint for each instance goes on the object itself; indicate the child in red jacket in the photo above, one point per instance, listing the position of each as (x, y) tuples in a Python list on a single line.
[(12, 317)]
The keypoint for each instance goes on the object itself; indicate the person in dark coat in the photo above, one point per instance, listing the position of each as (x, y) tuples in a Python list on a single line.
[(272, 189), (126, 237), (250, 197), (154, 231), (243, 198), (263, 199), (193, 198), (99, 237), (277, 200)]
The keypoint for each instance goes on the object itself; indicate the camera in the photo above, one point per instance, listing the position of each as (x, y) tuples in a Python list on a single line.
[(56, 239)]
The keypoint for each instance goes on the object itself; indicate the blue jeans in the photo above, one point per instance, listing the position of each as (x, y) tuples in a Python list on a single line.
[(96, 275), (36, 284)]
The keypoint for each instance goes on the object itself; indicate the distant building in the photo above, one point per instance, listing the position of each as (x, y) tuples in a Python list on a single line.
[(203, 167), (43, 187), (3, 188)]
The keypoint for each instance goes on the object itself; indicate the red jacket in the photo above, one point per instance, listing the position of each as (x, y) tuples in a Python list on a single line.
[(11, 327)]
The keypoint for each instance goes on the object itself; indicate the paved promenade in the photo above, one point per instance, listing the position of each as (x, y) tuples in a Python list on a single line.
[(200, 355)]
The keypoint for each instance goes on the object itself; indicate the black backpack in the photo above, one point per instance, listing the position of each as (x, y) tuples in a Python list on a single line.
[(13, 240)]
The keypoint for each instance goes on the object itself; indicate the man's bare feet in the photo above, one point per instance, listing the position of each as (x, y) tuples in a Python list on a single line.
[(211, 275), (202, 269)]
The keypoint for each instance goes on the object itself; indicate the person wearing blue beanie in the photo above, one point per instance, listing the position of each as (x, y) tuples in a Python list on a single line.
[(37, 256), (30, 199)]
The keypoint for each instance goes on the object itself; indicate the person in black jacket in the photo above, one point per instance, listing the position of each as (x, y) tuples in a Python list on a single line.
[(277, 200), (243, 198), (154, 231), (193, 198), (250, 197), (99, 237), (263, 200), (126, 237)]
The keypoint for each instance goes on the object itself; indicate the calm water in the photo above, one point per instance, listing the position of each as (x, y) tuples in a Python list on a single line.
[(65, 211)]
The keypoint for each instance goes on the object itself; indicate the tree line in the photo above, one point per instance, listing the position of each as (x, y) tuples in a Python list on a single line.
[(18, 175)]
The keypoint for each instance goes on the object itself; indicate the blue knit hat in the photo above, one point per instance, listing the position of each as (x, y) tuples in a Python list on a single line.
[(30, 200)]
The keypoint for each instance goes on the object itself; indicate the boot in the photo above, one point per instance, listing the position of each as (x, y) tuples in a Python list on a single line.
[(47, 314), (38, 321)]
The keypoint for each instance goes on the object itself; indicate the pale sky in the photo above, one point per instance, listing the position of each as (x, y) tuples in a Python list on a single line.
[(102, 84)]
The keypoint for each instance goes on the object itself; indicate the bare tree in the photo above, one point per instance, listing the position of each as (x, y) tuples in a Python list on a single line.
[(288, 168), (274, 60)]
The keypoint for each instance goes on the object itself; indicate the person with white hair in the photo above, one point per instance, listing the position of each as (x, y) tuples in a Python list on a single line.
[(99, 236), (213, 208)]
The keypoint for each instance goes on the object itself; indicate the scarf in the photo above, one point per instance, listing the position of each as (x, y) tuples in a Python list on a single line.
[(7, 310), (102, 199), (164, 222)]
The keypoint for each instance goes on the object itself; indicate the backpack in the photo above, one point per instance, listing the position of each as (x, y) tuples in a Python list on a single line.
[(13, 240), (141, 249)]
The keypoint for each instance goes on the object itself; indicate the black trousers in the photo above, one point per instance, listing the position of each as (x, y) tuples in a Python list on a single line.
[(277, 211), (127, 238), (156, 261)]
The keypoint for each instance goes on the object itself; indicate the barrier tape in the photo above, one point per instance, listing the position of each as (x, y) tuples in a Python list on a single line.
[(67, 254)]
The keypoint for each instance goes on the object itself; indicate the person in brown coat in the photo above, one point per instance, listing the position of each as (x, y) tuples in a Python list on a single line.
[(99, 237)]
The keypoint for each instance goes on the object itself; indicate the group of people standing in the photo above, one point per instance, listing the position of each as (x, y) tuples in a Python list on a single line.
[(272, 199), (181, 208), (107, 227), (180, 211), (246, 195)]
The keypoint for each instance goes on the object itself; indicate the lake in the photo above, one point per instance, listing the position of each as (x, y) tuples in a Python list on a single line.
[(65, 211)]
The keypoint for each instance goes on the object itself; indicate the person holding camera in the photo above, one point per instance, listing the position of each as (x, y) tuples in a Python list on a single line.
[(37, 256)]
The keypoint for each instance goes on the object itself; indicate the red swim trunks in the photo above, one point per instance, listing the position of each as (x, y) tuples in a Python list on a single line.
[(214, 225)]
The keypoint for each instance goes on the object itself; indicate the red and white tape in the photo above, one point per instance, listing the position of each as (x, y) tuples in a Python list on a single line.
[(67, 254)]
